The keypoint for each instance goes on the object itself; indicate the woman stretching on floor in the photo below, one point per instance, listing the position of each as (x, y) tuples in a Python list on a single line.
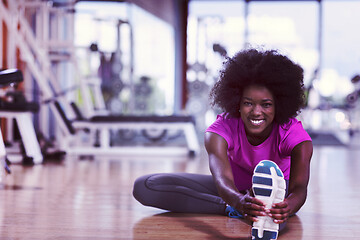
[(261, 93)]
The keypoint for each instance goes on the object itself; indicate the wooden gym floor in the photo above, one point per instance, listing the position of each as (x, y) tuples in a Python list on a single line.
[(92, 199)]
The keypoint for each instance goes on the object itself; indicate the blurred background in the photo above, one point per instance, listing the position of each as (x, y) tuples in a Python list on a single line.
[(161, 57), (120, 89)]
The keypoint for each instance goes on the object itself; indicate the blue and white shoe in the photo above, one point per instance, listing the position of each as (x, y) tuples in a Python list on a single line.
[(269, 186)]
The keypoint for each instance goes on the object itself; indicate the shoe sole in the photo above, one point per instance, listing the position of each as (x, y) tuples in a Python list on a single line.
[(268, 186)]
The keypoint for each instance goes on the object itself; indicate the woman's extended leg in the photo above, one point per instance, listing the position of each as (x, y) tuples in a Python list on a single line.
[(179, 192), (182, 192)]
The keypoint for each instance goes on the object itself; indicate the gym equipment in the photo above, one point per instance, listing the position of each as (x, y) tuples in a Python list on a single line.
[(116, 74), (22, 114), (13, 105), (218, 48), (47, 73), (354, 96), (200, 76), (142, 96), (198, 88), (3, 159), (353, 106), (104, 124), (7, 78)]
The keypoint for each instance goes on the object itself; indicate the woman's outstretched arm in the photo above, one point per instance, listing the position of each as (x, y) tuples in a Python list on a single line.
[(220, 168), (298, 183)]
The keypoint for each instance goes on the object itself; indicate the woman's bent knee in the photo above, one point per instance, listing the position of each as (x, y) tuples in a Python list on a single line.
[(145, 188), (140, 189)]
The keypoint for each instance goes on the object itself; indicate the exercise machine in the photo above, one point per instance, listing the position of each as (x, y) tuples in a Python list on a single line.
[(22, 113), (104, 124)]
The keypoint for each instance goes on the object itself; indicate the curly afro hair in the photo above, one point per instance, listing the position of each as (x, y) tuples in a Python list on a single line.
[(269, 68)]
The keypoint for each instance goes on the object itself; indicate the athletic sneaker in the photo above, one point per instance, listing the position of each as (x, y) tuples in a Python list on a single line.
[(268, 186), (233, 213)]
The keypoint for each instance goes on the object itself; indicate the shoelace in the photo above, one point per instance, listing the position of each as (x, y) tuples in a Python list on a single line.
[(233, 213)]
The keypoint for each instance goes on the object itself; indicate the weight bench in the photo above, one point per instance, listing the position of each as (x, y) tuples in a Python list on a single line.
[(104, 124), (22, 113)]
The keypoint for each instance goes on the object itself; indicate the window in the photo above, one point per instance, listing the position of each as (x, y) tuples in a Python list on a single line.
[(134, 58)]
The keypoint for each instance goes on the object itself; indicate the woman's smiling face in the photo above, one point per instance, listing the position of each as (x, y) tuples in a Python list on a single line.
[(257, 110)]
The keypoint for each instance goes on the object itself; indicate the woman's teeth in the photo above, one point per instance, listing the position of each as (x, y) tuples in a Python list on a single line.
[(256, 122)]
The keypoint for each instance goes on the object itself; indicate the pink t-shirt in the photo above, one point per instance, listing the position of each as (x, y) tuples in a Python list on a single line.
[(244, 157)]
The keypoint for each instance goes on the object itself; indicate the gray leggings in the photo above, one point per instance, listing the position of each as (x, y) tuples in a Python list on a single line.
[(181, 192)]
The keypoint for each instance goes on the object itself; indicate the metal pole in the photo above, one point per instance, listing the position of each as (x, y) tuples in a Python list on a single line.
[(1, 43), (320, 35), (246, 28)]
